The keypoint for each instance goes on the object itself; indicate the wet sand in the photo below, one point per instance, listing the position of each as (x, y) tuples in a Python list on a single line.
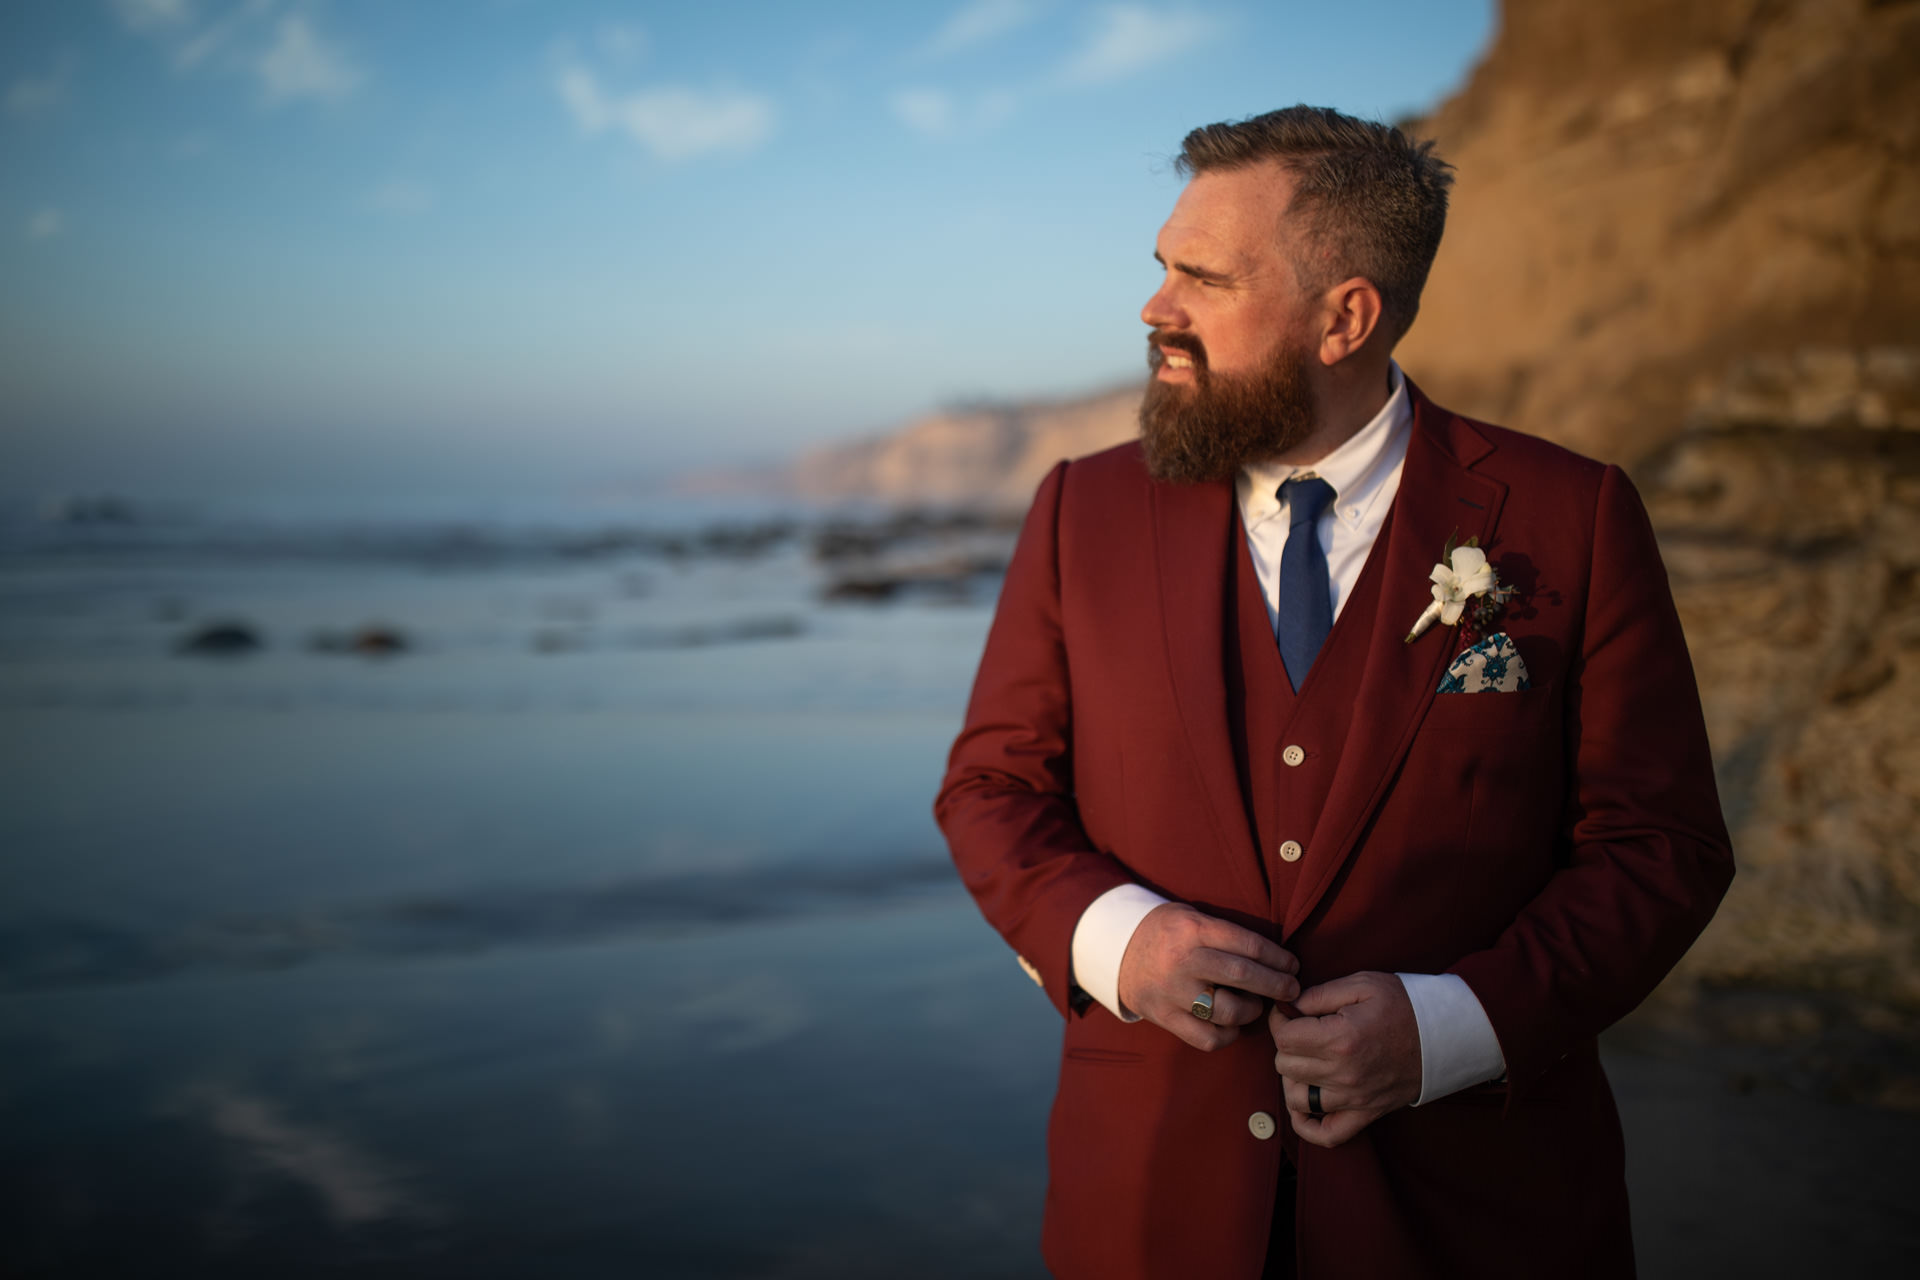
[(614, 958), (1732, 1174), (846, 1094)]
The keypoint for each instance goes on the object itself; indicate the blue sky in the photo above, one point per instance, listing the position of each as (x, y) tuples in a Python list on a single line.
[(257, 246)]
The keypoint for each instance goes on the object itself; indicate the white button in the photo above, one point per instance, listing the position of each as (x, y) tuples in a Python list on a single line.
[(1260, 1125), (1291, 851), (1293, 756)]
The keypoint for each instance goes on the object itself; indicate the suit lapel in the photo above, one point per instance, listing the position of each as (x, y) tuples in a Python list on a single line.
[(1438, 497), (1193, 528)]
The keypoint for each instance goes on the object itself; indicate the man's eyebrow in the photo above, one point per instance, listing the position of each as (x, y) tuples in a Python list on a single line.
[(1198, 273)]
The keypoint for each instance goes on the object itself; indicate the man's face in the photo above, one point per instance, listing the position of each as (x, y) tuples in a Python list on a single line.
[(1230, 352)]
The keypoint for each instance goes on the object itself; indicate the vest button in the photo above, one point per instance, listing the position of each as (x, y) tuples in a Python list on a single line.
[(1260, 1125), (1293, 756), (1291, 851)]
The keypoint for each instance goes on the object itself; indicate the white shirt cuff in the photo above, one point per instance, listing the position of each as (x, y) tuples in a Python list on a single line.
[(1458, 1048), (1100, 942)]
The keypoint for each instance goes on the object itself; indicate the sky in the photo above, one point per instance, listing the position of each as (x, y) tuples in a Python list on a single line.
[(444, 246)]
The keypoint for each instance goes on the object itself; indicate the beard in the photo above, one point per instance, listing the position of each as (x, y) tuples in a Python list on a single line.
[(1210, 429)]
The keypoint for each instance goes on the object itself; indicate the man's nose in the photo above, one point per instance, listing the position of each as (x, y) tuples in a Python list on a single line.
[(1162, 312)]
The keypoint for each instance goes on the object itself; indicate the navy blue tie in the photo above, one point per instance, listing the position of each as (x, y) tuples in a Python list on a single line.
[(1306, 596)]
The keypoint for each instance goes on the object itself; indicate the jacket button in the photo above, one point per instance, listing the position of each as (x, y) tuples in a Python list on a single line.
[(1293, 756), (1260, 1125), (1290, 851)]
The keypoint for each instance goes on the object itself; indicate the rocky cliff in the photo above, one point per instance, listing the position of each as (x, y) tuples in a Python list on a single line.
[(1649, 194), (1789, 517), (1687, 238)]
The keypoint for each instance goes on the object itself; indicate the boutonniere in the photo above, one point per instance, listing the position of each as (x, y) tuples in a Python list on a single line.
[(1464, 586)]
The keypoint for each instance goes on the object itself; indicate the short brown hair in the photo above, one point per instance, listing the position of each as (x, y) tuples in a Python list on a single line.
[(1370, 200)]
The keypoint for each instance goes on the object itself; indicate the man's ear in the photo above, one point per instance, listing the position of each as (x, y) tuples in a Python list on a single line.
[(1352, 314)]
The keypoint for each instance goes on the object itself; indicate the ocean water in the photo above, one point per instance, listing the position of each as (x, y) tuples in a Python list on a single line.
[(602, 930)]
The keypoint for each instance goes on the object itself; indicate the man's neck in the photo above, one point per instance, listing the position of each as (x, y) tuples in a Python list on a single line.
[(1345, 401)]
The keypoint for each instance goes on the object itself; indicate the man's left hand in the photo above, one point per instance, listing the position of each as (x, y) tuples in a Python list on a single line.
[(1356, 1038)]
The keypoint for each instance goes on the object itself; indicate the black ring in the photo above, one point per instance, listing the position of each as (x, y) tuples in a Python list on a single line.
[(1313, 1102)]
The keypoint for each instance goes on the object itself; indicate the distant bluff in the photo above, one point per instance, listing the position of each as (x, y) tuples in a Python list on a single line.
[(991, 455)]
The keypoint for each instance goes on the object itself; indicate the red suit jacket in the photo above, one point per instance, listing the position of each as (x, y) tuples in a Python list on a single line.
[(1558, 848)]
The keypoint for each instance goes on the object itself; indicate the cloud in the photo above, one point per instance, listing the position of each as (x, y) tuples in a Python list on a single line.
[(927, 111), (30, 95), (399, 196), (939, 114), (299, 64), (45, 224), (1129, 37), (283, 51), (217, 35), (979, 22), (623, 42), (671, 122), (148, 15)]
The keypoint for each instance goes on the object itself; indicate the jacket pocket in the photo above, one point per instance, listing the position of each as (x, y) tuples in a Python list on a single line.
[(1469, 712)]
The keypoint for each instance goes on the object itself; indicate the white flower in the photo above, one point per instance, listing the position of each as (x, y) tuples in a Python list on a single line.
[(1470, 575)]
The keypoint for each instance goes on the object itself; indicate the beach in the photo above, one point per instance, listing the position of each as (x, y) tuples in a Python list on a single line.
[(593, 923)]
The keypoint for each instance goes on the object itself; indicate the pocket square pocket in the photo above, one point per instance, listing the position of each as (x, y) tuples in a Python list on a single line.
[(1492, 666)]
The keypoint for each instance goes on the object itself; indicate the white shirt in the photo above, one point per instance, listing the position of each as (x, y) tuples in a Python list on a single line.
[(1458, 1047)]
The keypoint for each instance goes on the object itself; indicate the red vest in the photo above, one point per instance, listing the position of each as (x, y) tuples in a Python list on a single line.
[(1286, 788)]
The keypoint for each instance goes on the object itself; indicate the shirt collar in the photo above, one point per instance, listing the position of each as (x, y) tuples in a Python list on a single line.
[(1356, 469)]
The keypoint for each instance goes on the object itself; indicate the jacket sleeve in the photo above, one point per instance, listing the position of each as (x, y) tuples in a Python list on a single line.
[(1645, 858), (1007, 803)]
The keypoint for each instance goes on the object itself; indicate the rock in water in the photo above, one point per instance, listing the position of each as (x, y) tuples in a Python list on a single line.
[(379, 641), (221, 639), (374, 640)]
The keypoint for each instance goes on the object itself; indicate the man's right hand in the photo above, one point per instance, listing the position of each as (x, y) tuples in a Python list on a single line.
[(1177, 954)]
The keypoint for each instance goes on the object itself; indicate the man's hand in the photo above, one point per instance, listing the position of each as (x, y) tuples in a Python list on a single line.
[(1356, 1038), (1177, 954)]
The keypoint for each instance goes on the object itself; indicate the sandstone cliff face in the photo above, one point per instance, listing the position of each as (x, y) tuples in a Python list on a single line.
[(1687, 238), (1794, 550), (1648, 192)]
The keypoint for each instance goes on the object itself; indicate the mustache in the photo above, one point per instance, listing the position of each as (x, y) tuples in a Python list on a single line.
[(1161, 340)]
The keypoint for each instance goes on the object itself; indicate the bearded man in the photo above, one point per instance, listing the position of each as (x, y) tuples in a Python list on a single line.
[(1335, 765)]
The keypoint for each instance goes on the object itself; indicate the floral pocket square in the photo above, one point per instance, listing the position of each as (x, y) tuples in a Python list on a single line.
[(1492, 666)]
